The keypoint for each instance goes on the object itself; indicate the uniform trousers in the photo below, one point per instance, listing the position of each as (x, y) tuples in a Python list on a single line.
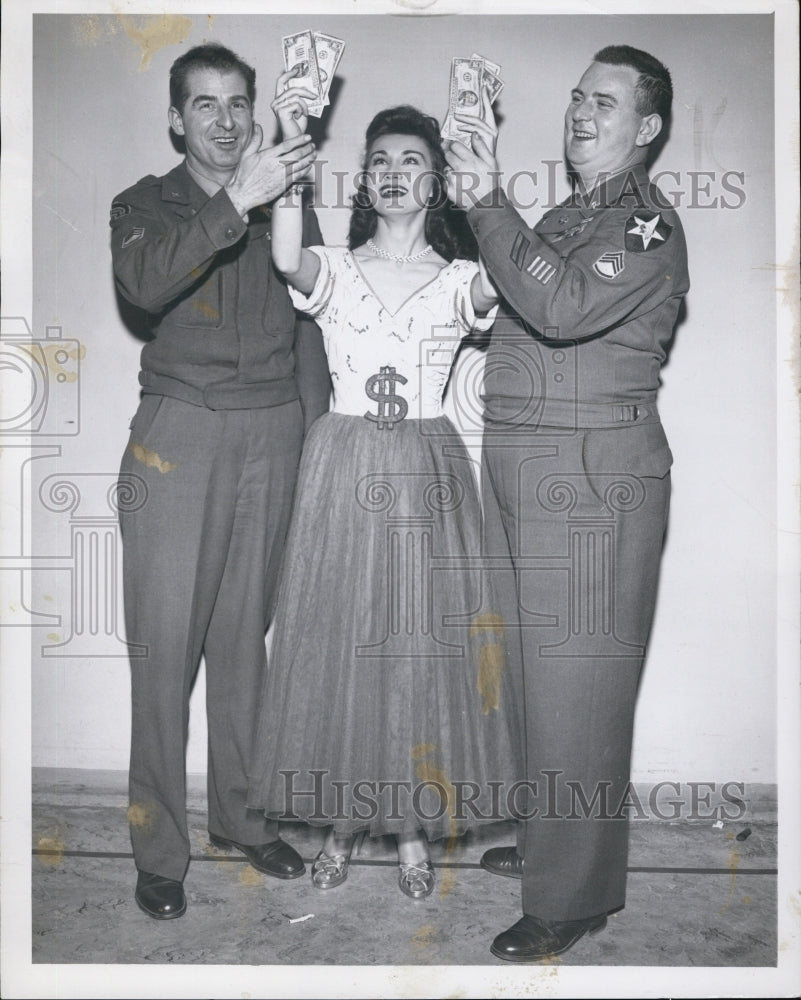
[(584, 515), (209, 497)]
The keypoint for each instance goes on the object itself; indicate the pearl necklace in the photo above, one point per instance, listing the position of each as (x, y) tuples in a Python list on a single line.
[(399, 258)]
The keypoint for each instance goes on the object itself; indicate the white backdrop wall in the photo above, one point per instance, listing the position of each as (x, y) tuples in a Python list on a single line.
[(707, 703)]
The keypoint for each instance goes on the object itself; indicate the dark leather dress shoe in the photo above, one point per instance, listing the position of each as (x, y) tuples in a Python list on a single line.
[(503, 861), (160, 898), (276, 858), (532, 939)]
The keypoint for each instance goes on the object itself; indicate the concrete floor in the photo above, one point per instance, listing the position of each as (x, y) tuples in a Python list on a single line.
[(696, 896)]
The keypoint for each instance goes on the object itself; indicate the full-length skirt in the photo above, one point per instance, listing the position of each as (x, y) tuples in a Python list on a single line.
[(392, 696)]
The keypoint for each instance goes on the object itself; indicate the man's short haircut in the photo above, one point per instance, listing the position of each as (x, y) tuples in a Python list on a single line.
[(210, 56), (653, 92)]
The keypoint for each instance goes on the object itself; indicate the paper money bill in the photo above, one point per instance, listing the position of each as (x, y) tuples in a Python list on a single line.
[(491, 66), (465, 91), (493, 83), (299, 50), (489, 77), (464, 95), (329, 51)]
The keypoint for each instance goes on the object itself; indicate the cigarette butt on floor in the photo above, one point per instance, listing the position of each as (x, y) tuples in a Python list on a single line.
[(297, 920)]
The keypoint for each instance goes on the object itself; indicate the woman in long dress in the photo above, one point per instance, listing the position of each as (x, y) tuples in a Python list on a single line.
[(390, 704)]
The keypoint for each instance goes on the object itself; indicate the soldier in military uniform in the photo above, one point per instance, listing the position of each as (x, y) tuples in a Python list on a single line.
[(577, 460), (212, 458)]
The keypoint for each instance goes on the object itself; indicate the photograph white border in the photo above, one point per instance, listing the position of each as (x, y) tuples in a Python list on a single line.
[(20, 978)]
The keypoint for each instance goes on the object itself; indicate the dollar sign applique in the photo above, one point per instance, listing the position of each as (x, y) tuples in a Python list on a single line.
[(391, 408)]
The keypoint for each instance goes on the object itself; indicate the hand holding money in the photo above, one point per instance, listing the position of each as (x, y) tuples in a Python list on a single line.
[(314, 56), (472, 173), (291, 104), (474, 87), (483, 127)]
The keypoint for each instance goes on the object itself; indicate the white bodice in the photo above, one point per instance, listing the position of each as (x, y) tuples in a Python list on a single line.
[(419, 341)]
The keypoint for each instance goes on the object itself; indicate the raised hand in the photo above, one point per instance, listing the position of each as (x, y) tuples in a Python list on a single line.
[(264, 174), (289, 105), (485, 124), (471, 173)]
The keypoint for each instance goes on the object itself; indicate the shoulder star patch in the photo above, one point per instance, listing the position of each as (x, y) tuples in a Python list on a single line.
[(610, 264), (646, 231)]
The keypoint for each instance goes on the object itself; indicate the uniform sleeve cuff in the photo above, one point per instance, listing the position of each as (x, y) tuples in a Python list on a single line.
[(490, 213), (224, 226)]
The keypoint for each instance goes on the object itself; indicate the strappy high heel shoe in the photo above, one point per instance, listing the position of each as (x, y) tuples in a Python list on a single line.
[(330, 870), (416, 881)]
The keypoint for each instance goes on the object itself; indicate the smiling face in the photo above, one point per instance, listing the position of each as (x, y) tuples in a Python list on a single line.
[(399, 174), (604, 133), (216, 122)]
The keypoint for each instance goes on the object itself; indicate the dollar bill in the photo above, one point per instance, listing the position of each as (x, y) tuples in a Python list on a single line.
[(491, 66), (476, 70), (465, 90), (299, 50), (491, 77), (329, 52), (464, 95), (494, 85)]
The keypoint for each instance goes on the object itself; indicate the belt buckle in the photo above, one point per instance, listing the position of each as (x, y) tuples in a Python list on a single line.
[(627, 413)]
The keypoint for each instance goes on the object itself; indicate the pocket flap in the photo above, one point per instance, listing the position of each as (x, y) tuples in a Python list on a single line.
[(636, 450)]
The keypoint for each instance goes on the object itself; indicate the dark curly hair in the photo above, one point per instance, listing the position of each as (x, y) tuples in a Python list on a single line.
[(211, 56), (446, 227)]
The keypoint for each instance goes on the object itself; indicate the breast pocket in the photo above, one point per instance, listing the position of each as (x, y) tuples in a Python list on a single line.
[(202, 306)]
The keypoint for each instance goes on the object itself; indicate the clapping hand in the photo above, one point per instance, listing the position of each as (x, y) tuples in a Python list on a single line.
[(264, 174)]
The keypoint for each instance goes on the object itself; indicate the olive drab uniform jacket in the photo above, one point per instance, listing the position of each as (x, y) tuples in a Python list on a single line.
[(224, 328), (597, 283)]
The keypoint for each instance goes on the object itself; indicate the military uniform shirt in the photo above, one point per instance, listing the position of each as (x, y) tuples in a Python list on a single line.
[(598, 283)]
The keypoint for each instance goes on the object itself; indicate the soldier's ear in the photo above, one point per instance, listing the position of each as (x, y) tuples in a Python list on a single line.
[(176, 121), (650, 127)]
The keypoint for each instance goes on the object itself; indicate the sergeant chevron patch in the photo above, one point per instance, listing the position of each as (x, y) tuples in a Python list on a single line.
[(610, 264)]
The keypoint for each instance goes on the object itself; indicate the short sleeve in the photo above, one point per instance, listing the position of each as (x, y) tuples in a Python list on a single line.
[(319, 298), (466, 318)]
